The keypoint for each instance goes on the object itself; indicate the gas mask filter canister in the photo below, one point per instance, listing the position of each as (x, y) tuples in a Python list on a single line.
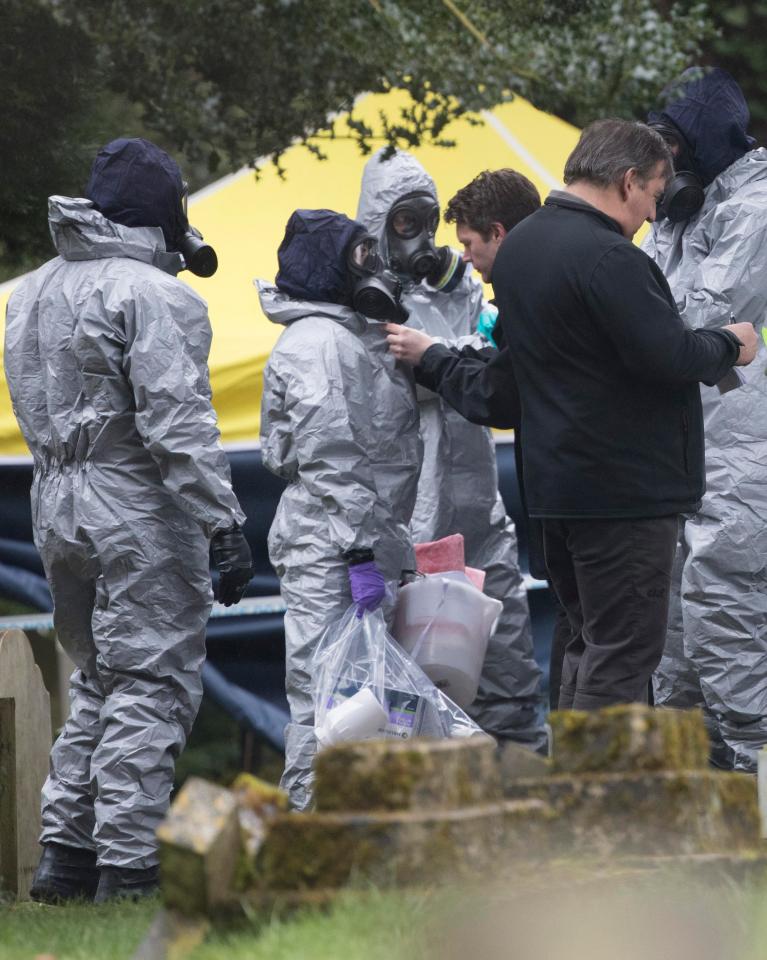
[(684, 194), (199, 257)]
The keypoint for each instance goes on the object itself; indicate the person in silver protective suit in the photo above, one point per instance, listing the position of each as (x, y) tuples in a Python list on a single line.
[(712, 246), (106, 360), (339, 421), (458, 489)]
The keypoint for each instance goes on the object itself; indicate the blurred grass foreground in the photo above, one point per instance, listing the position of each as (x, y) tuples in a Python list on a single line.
[(673, 916)]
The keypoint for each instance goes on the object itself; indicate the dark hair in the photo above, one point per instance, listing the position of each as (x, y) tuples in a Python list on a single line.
[(608, 148), (495, 196)]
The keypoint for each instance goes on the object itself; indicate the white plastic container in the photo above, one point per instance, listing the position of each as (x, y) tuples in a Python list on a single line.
[(358, 718), (445, 623)]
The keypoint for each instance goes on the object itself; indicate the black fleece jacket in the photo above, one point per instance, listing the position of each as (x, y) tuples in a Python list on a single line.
[(597, 365)]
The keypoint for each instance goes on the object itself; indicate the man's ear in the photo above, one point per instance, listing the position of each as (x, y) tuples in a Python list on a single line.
[(629, 180), (498, 231)]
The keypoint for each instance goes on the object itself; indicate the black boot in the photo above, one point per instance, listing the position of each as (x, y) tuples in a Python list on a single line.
[(125, 883), (65, 873)]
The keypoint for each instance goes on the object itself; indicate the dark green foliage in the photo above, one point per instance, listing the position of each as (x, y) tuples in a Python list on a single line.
[(222, 83), (213, 750), (58, 109), (218, 750), (233, 81), (44, 76), (741, 48)]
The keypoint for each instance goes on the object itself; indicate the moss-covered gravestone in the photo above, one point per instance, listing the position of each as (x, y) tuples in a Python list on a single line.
[(25, 743), (635, 781), (199, 847), (209, 841), (627, 785), (418, 775), (627, 739)]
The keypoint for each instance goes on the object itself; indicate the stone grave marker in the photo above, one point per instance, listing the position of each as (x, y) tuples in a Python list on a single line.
[(25, 743), (627, 788), (199, 847)]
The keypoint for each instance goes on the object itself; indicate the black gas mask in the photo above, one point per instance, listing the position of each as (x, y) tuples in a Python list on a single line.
[(684, 194), (375, 292), (410, 228), (199, 257)]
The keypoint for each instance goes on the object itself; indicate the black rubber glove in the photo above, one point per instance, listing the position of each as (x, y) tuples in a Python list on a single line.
[(233, 560)]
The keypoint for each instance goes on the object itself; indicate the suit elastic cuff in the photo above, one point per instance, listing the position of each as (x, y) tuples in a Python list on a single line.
[(358, 555)]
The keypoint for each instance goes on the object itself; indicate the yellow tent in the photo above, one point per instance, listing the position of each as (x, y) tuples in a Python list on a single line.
[(245, 219)]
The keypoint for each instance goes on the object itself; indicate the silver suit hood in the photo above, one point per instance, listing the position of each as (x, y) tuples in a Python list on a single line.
[(80, 232), (284, 310), (384, 182)]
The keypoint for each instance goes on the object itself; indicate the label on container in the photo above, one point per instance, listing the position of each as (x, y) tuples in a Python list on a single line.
[(405, 709), (404, 714)]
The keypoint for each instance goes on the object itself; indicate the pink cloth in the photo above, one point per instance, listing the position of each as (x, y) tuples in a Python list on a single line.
[(441, 556), (477, 577)]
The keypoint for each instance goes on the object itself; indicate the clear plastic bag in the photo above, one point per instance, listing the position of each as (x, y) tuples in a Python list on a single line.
[(358, 658)]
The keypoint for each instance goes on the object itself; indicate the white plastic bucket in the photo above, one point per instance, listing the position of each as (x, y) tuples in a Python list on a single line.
[(358, 718), (445, 623)]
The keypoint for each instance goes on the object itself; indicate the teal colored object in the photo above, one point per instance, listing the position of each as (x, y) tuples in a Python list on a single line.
[(486, 323)]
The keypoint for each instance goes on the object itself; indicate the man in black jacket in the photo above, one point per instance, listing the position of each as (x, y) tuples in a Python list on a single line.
[(607, 375)]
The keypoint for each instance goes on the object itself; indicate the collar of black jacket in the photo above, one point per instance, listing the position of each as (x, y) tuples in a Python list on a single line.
[(561, 198)]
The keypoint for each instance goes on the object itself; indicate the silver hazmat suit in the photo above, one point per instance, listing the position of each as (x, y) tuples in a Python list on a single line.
[(716, 649), (106, 360), (339, 421), (458, 489)]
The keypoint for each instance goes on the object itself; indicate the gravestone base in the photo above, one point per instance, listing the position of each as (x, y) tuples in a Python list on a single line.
[(679, 812), (321, 850), (25, 744), (407, 775), (420, 813), (628, 738)]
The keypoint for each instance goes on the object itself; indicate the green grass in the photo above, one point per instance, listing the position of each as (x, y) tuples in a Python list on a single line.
[(695, 921), (374, 926), (75, 932)]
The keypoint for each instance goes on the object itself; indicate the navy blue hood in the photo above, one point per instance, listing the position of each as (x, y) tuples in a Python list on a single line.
[(135, 183), (709, 109), (312, 256)]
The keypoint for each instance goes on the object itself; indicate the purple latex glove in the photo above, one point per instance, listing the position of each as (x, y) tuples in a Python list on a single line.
[(368, 586)]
